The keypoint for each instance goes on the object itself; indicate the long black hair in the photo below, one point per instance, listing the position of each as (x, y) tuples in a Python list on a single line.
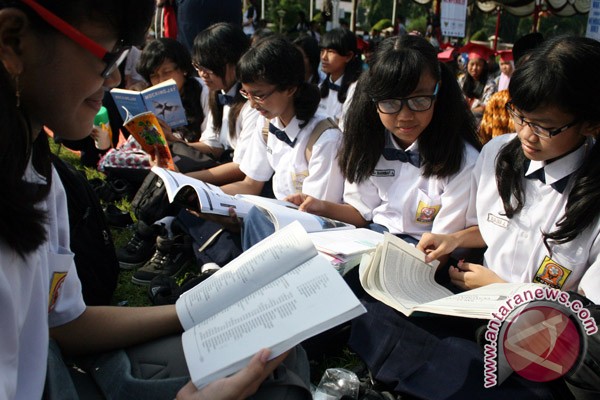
[(21, 222), (214, 48), (276, 61), (558, 73), (397, 67), (152, 57), (343, 41)]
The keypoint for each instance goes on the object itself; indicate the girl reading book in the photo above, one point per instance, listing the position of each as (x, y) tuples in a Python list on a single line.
[(56, 59), (407, 169), (161, 60), (534, 207)]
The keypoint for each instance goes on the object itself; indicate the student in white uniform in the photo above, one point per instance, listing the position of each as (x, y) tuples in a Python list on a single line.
[(341, 62), (231, 120), (407, 169), (535, 207), (53, 74), (536, 203), (287, 105)]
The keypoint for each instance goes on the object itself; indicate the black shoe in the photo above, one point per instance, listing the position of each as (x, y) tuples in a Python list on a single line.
[(140, 247), (172, 255), (116, 217), (165, 290)]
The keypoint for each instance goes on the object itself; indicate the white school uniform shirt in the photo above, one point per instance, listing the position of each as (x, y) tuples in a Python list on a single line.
[(204, 103), (516, 250), (320, 177), (36, 293), (330, 105), (244, 127), (399, 197)]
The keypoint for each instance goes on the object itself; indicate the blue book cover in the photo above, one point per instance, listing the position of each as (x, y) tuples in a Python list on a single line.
[(162, 99)]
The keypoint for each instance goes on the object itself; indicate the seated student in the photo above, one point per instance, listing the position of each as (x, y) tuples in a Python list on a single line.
[(341, 62), (231, 120), (54, 74), (406, 170), (229, 124), (287, 105), (535, 198), (161, 60)]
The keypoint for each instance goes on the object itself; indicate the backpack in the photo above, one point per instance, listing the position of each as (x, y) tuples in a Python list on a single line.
[(91, 240), (151, 202)]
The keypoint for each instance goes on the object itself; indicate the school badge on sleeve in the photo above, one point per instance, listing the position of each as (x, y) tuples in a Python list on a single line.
[(58, 278), (551, 273)]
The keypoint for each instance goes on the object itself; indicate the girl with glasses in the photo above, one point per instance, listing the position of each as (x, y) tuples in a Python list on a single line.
[(161, 60), (273, 81), (535, 207), (408, 146), (542, 181), (231, 119), (55, 62)]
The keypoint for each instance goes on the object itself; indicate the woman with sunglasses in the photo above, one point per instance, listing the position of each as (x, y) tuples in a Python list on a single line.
[(55, 63), (535, 206), (406, 166)]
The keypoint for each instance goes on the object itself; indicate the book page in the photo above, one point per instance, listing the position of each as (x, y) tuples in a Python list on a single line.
[(296, 306), (347, 242), (255, 268), (211, 199), (282, 214), (478, 303)]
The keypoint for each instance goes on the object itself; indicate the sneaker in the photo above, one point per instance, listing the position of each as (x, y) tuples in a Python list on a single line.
[(140, 247), (172, 255)]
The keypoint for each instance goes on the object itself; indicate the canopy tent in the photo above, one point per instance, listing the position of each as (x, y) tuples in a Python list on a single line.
[(522, 8)]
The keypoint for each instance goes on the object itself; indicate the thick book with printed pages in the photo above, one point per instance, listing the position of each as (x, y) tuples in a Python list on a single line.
[(344, 248), (275, 295), (162, 99), (396, 274), (210, 199)]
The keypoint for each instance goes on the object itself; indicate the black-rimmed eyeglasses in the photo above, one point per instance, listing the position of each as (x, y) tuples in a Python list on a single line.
[(535, 128), (414, 103)]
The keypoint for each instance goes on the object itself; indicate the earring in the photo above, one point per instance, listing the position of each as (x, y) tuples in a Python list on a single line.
[(17, 91)]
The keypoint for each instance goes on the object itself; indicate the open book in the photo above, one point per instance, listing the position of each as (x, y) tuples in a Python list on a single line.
[(275, 295), (344, 248), (162, 99), (210, 199), (396, 274)]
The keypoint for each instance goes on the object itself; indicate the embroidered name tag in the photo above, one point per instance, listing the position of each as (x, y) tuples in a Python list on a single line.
[(269, 150), (551, 273), (384, 172), (501, 222)]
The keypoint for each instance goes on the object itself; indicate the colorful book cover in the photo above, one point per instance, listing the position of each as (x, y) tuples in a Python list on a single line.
[(162, 99)]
